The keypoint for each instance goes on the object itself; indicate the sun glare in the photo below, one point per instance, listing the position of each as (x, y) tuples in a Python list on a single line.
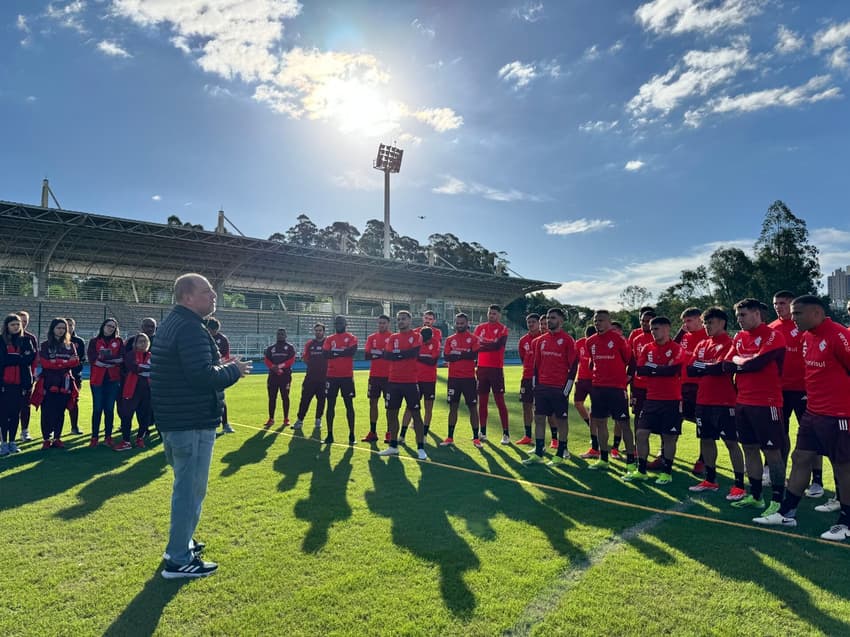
[(359, 108)]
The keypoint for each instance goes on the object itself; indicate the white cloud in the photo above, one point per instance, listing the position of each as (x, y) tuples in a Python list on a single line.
[(787, 41), (440, 119), (112, 49), (667, 17), (22, 26), (839, 58), (577, 226), (830, 38), (598, 126), (358, 180), (594, 52), (454, 186), (156, 198), (428, 32), (408, 138), (217, 91), (634, 165), (815, 90), (182, 43), (67, 15), (529, 11), (697, 74), (31, 98), (591, 53), (616, 47), (521, 74)]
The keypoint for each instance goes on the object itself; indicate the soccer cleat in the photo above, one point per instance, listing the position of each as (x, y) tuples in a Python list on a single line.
[(774, 519), (108, 441), (25, 435), (389, 451), (195, 568), (615, 453), (836, 533), (556, 461), (76, 432), (506, 439), (705, 485), (765, 477), (269, 423), (699, 468), (45, 444), (140, 442), (370, 437), (525, 440), (4, 449), (772, 508), (735, 494), (58, 444), (387, 438), (13, 447), (298, 425), (532, 459), (635, 476), (228, 429), (286, 422), (420, 453), (590, 453), (599, 465), (93, 442), (553, 444), (748, 502), (123, 446), (664, 479), (482, 436), (476, 442), (631, 467), (830, 506), (815, 490), (448, 442), (655, 465)]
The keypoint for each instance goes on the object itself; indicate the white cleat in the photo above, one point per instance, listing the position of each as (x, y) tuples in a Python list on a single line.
[(830, 506), (482, 437), (775, 519), (837, 533), (815, 490), (506, 439), (420, 453), (389, 451)]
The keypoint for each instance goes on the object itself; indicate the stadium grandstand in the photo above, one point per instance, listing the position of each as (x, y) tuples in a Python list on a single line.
[(277, 284)]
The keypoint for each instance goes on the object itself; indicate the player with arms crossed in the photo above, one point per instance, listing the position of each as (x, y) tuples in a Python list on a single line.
[(526, 383), (460, 351), (491, 370), (379, 371), (339, 348)]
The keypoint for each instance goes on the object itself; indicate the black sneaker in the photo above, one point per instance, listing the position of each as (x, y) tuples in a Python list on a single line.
[(195, 568)]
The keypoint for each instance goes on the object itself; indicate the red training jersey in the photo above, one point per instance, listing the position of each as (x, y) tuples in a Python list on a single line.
[(461, 343), (639, 339), (554, 355), (342, 366), (584, 371), (428, 373), (826, 354), (689, 343), (714, 390), (762, 388), (376, 344), (526, 354), (610, 355), (668, 354), (793, 366), (490, 333), (404, 370)]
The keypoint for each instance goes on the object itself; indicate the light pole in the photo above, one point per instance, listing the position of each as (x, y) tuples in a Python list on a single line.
[(389, 161)]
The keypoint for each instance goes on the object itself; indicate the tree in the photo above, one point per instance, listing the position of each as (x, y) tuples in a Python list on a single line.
[(633, 297), (304, 233), (337, 236), (731, 274), (408, 249), (785, 260), (371, 242), (174, 220), (692, 290)]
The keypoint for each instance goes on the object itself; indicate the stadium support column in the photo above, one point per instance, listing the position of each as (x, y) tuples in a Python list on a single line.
[(39, 279), (340, 303)]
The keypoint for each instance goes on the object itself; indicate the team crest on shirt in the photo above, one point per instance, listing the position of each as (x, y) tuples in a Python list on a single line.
[(757, 341), (410, 340), (610, 344), (560, 341), (794, 332), (701, 353), (669, 353), (717, 348), (822, 345), (114, 345), (345, 340)]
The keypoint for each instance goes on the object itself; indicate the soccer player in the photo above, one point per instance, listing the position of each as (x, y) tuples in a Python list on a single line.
[(823, 428), (756, 358), (611, 360), (491, 371), (25, 404), (583, 385), (57, 358), (638, 339), (279, 358), (793, 383), (526, 384), (403, 351), (460, 351), (691, 333), (315, 378), (426, 377), (428, 320), (716, 399), (223, 344), (339, 348), (106, 354), (379, 371), (16, 357), (661, 364), (80, 346), (554, 355)]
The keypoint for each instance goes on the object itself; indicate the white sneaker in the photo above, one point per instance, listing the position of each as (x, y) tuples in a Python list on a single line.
[(424, 456), (25, 435), (298, 425), (506, 439), (318, 423), (482, 437), (776, 519), (815, 490), (389, 451), (836, 533), (830, 506), (765, 478)]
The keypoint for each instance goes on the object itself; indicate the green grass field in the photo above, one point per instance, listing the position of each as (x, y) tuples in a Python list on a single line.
[(316, 541)]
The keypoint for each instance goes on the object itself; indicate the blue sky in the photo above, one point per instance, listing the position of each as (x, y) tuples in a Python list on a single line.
[(598, 142)]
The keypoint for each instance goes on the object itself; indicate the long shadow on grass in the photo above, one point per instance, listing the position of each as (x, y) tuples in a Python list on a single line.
[(142, 614), (327, 502), (299, 458), (742, 555), (252, 451)]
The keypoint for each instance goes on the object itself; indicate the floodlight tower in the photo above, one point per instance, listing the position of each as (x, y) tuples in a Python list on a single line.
[(389, 161)]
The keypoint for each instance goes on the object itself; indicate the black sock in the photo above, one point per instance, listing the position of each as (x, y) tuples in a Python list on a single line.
[(393, 443), (420, 445), (587, 421), (451, 431), (425, 430), (528, 431), (373, 427), (739, 480), (789, 504), (603, 455), (844, 516), (594, 442), (482, 431), (642, 465), (554, 431), (817, 476), (616, 444), (404, 431), (700, 458), (666, 465), (562, 446), (778, 492), (630, 458), (538, 446), (755, 488), (711, 473)]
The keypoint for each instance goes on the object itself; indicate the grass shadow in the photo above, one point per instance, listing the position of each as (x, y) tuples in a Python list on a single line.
[(327, 502), (253, 450), (298, 459), (142, 614)]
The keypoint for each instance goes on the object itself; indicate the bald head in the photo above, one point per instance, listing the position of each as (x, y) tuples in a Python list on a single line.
[(195, 292)]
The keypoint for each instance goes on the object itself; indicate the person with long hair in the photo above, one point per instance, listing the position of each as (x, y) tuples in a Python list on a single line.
[(58, 391), (16, 357), (80, 345), (136, 393), (106, 354), (25, 405)]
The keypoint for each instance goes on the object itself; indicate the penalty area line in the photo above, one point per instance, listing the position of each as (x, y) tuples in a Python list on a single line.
[(672, 512)]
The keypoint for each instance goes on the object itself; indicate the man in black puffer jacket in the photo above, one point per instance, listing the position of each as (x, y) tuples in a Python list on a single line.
[(187, 395)]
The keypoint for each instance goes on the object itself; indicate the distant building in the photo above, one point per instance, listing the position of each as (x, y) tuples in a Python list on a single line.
[(838, 286)]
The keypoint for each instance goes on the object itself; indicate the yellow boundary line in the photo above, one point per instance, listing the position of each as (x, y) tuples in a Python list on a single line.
[(570, 492)]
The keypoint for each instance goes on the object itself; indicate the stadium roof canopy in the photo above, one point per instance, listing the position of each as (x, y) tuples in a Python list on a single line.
[(49, 240)]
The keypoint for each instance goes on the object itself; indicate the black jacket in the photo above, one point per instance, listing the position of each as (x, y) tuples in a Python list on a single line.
[(187, 377), (23, 360)]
